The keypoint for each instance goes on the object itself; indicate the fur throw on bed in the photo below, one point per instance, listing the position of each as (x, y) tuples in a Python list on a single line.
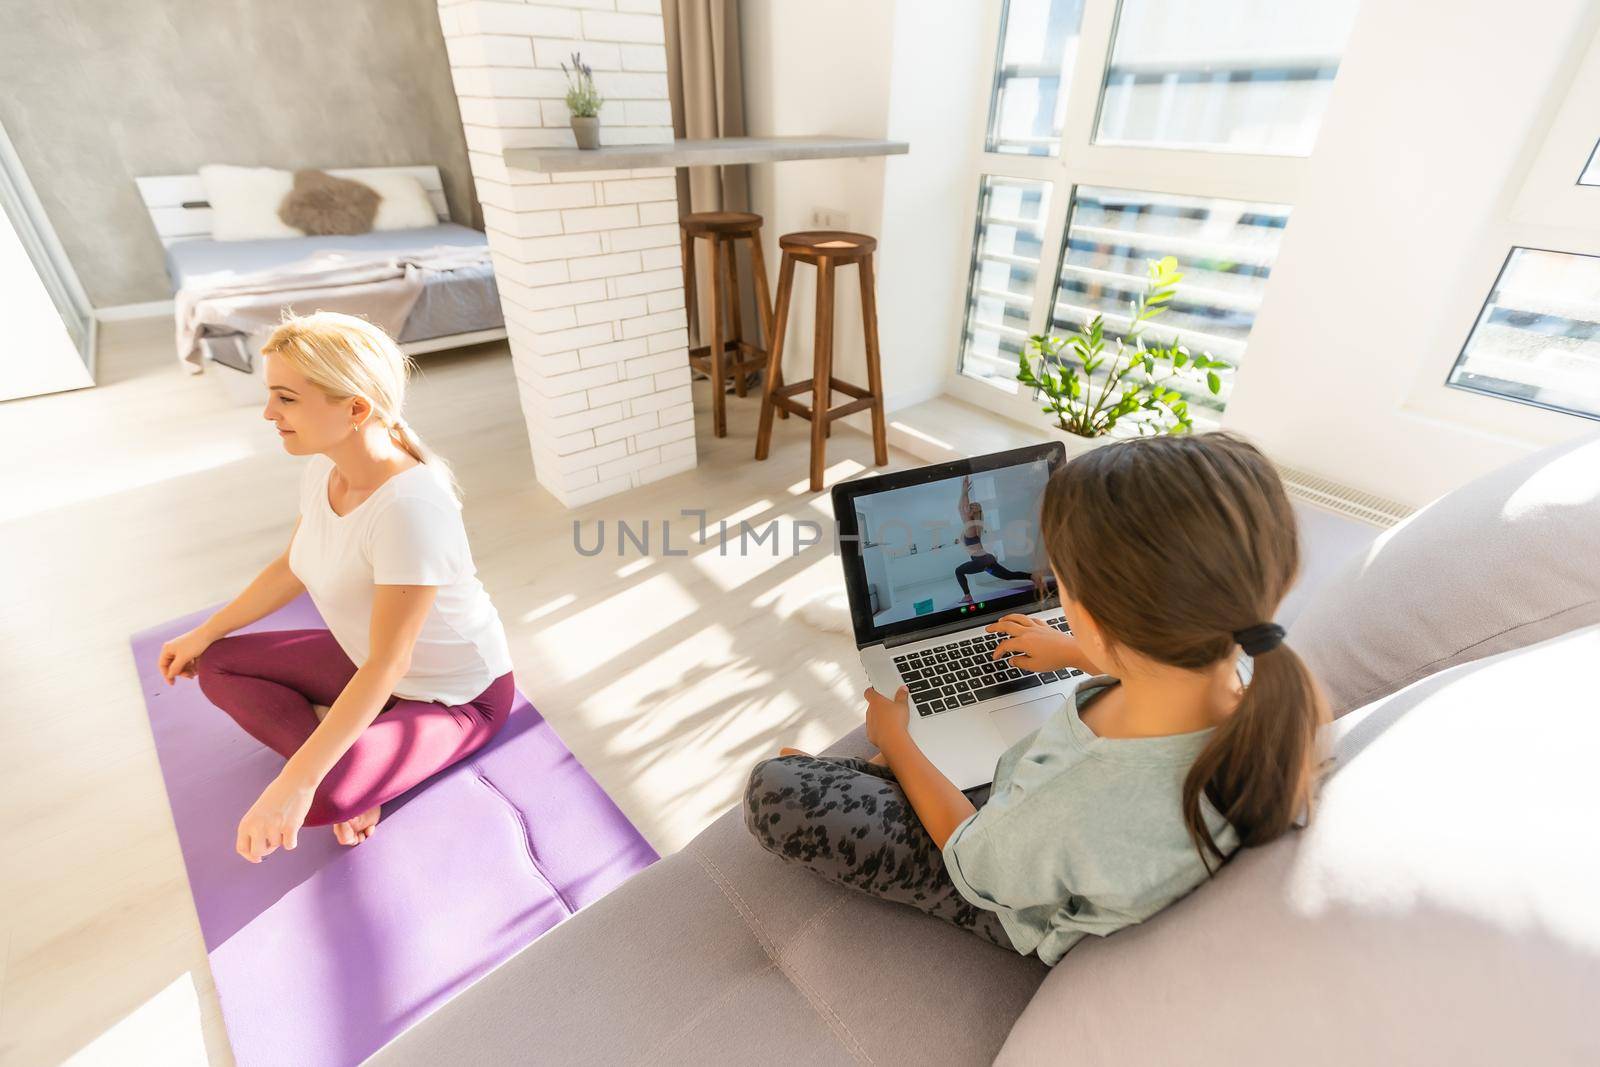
[(321, 204)]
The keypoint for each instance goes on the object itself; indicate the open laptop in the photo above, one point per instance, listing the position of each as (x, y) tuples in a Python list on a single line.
[(909, 541)]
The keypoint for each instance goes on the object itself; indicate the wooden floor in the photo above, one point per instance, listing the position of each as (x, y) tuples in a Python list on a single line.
[(151, 496)]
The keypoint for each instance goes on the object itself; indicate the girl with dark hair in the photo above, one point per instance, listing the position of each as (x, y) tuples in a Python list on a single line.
[(1172, 555)]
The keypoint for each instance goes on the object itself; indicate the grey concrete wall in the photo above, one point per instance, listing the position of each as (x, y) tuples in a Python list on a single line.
[(97, 92)]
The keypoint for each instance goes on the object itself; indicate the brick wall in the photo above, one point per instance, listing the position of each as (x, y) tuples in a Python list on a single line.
[(587, 262)]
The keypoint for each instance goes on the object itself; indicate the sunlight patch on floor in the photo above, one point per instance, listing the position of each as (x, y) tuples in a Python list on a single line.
[(831, 476), (169, 1021), (112, 476), (603, 634), (819, 578), (721, 527), (912, 431), (628, 570), (549, 607), (749, 553)]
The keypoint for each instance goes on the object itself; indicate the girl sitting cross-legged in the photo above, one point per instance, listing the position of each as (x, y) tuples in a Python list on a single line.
[(1171, 554)]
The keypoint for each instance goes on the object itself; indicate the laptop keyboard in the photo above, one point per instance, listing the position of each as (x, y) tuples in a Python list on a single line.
[(960, 673)]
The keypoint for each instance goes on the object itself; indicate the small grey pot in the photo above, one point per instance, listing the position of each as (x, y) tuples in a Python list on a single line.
[(587, 130)]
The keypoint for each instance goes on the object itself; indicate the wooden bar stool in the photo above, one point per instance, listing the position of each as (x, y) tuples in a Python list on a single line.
[(730, 354), (825, 250)]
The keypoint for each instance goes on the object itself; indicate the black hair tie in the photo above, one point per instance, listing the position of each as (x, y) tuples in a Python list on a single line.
[(1263, 637)]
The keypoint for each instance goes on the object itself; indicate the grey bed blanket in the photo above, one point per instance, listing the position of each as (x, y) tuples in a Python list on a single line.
[(381, 287)]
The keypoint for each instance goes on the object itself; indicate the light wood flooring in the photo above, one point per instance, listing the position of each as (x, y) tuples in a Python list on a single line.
[(151, 496)]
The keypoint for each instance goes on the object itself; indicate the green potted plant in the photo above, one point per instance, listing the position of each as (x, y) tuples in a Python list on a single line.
[(584, 101), (1099, 387)]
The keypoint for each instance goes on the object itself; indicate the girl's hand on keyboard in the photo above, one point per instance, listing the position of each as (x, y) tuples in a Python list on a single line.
[(1033, 644)]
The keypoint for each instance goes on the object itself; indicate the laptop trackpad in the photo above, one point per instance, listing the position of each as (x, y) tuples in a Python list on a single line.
[(1019, 720)]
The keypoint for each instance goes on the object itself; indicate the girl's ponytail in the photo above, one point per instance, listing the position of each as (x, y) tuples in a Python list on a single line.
[(1257, 768), (1181, 548)]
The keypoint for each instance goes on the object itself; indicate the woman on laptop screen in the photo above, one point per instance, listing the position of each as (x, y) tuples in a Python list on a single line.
[(1171, 555), (982, 561)]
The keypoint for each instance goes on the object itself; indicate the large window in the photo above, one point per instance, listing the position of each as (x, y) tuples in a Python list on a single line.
[(1591, 173), (1038, 44), (1530, 363), (1225, 249), (1005, 272), (1237, 75), (1538, 337), (1118, 133)]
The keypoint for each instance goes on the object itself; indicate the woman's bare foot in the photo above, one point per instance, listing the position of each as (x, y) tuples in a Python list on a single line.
[(792, 752), (880, 759), (356, 830)]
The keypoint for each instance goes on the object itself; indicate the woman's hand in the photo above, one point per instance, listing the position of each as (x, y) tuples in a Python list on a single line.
[(1034, 645), (179, 654), (274, 819), (888, 720)]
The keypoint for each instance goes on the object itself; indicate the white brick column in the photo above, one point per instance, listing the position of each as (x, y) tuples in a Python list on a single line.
[(587, 262)]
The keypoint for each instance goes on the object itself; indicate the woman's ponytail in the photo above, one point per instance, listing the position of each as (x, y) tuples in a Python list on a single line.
[(1257, 768), (407, 439)]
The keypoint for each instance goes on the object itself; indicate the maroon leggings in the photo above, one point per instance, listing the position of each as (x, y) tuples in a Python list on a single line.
[(268, 681)]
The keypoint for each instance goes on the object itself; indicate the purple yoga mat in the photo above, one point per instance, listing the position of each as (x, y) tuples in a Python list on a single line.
[(323, 954)]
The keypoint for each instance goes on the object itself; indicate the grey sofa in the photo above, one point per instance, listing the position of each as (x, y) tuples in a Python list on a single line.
[(1442, 907)]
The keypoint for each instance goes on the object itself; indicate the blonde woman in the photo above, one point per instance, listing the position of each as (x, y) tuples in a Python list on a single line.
[(414, 671)]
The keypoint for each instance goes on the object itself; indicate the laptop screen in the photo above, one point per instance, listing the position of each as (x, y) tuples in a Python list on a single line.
[(946, 546)]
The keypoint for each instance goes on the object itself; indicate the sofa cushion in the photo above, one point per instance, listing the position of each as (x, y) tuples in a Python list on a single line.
[(1502, 562), (723, 953), (1438, 909)]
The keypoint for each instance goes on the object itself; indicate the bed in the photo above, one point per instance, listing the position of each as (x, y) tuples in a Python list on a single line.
[(456, 307)]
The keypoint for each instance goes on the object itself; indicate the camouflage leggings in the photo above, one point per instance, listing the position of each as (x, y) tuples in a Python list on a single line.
[(849, 821)]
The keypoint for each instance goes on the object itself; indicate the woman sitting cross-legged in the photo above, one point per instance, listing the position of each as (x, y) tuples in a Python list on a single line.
[(1152, 772), (413, 671)]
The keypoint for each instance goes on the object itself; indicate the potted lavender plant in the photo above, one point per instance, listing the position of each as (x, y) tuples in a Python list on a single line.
[(583, 101)]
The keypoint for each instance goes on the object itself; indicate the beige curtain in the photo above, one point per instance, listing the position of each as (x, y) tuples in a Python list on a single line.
[(705, 81)]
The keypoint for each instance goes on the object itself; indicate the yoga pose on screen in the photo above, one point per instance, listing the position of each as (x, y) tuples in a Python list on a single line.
[(413, 672), (972, 530)]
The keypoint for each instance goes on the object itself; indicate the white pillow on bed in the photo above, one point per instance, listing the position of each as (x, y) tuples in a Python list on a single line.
[(405, 204), (244, 201)]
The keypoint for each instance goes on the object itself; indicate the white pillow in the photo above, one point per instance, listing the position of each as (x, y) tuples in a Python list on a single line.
[(245, 200), (1501, 562), (1439, 909), (405, 204)]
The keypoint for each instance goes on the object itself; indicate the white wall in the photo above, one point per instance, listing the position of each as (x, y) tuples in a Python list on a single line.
[(587, 262), (95, 94), (33, 326), (906, 71), (1437, 108), (1436, 112)]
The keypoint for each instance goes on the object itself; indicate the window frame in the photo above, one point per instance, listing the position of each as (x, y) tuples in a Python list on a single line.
[(973, 257), (1550, 212), (1182, 171), (1500, 273)]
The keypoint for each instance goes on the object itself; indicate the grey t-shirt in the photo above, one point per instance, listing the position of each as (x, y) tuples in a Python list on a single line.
[(1082, 834)]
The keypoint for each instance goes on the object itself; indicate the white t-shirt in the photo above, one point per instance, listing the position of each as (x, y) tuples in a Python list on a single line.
[(408, 532)]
